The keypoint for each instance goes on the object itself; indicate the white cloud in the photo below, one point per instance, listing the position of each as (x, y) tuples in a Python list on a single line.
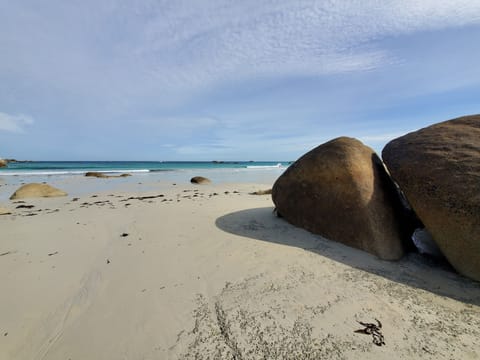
[(14, 123)]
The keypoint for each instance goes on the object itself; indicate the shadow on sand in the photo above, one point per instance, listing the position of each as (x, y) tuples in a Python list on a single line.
[(413, 270)]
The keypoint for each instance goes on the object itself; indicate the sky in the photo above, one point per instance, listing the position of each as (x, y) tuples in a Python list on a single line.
[(228, 80)]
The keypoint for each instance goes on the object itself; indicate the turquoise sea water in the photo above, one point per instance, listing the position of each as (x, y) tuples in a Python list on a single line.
[(45, 168)]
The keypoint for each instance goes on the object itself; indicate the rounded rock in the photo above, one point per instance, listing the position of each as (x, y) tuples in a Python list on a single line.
[(438, 169), (35, 190), (341, 190)]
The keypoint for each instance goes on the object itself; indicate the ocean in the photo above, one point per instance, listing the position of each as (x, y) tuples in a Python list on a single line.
[(45, 168), (69, 175)]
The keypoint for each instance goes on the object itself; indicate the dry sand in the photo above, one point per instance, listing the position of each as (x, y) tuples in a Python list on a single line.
[(194, 275)]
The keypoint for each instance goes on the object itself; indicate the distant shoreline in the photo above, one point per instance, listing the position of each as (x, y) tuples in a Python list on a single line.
[(69, 176), (16, 161)]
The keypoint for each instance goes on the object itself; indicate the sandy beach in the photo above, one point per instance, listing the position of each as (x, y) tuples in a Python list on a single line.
[(209, 272)]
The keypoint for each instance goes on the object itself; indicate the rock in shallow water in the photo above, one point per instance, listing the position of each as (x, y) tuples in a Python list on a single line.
[(103, 175), (340, 190), (438, 169), (95, 174)]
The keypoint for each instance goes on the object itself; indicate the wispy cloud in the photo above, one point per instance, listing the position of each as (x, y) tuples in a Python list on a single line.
[(179, 45), (14, 123), (200, 43)]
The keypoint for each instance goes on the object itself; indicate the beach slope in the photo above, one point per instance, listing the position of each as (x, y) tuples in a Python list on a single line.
[(209, 272)]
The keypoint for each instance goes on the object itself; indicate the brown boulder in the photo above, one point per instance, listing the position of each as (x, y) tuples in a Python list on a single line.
[(438, 169), (340, 190), (95, 174), (3, 163), (36, 190), (200, 180)]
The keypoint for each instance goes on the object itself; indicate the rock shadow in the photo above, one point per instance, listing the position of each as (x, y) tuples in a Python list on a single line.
[(413, 270)]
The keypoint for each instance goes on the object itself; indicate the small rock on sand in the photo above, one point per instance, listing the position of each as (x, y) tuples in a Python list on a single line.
[(34, 190), (200, 180), (262, 192), (4, 211)]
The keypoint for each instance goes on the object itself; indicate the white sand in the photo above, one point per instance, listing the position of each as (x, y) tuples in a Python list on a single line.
[(213, 277)]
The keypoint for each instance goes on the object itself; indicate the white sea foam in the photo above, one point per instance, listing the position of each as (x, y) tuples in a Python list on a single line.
[(264, 166)]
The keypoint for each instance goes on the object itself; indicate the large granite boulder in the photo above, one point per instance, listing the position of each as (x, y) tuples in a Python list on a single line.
[(3, 163), (438, 169), (340, 190), (35, 190)]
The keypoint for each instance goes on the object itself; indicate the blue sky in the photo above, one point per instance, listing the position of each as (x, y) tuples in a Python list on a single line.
[(228, 80)]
